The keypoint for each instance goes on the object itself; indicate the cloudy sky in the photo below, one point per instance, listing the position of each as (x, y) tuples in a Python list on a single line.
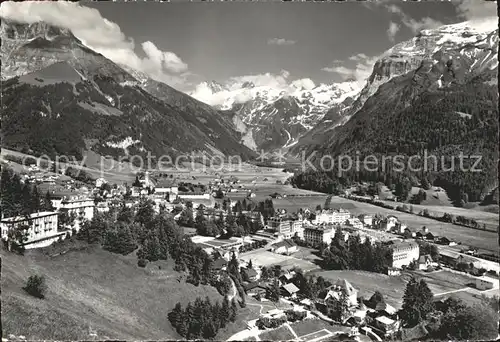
[(185, 43)]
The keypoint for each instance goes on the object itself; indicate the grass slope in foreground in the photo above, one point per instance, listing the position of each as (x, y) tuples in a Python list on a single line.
[(92, 287)]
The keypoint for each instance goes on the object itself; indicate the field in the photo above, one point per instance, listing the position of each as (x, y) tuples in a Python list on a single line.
[(468, 297), (478, 238), (367, 283), (313, 328), (293, 204), (92, 288), (266, 258), (283, 333), (444, 281)]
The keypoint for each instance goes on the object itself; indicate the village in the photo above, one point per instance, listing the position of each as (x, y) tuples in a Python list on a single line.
[(276, 250)]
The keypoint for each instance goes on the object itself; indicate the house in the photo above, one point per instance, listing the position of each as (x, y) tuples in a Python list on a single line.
[(81, 207), (386, 325), (290, 290), (389, 223), (335, 291), (408, 234), (367, 220), (40, 228), (102, 207), (383, 308), (442, 240), (166, 186), (331, 216), (286, 246), (251, 273), (355, 222), (255, 288), (424, 262), (391, 271), (219, 264), (99, 182), (286, 278), (403, 253), (452, 258), (483, 284)]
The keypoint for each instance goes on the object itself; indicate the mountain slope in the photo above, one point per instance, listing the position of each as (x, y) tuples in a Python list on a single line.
[(447, 105), (110, 296), (86, 101), (449, 53)]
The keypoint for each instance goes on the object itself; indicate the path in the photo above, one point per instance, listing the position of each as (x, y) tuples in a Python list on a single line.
[(233, 285), (452, 291)]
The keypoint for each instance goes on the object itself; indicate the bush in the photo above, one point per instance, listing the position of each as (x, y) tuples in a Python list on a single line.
[(36, 286), (142, 262)]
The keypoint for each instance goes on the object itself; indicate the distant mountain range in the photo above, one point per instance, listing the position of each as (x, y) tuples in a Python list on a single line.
[(60, 97), (275, 118)]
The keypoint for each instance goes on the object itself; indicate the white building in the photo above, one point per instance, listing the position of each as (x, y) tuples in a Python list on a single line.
[(81, 207), (389, 223), (403, 253), (41, 228), (319, 234), (355, 222), (193, 195), (100, 182), (166, 186), (367, 220), (482, 284)]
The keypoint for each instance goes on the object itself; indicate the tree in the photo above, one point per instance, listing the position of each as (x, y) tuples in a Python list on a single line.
[(47, 203), (462, 322), (273, 291), (250, 265), (145, 212), (36, 286), (417, 302), (341, 309), (137, 183), (234, 310)]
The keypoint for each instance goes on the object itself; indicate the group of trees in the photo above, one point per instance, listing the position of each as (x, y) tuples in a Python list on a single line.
[(202, 318), (354, 254), (417, 302), (453, 319), (157, 236), (21, 198), (233, 223)]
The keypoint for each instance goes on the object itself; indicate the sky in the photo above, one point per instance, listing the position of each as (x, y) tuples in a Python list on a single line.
[(270, 43)]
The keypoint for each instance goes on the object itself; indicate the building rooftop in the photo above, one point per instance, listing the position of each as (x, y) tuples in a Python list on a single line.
[(28, 217), (385, 320), (291, 288), (402, 245), (285, 243), (344, 284)]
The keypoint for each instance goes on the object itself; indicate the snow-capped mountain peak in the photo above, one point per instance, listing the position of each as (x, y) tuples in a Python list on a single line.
[(297, 106)]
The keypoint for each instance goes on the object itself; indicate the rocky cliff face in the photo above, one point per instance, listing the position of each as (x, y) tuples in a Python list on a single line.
[(30, 47)]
